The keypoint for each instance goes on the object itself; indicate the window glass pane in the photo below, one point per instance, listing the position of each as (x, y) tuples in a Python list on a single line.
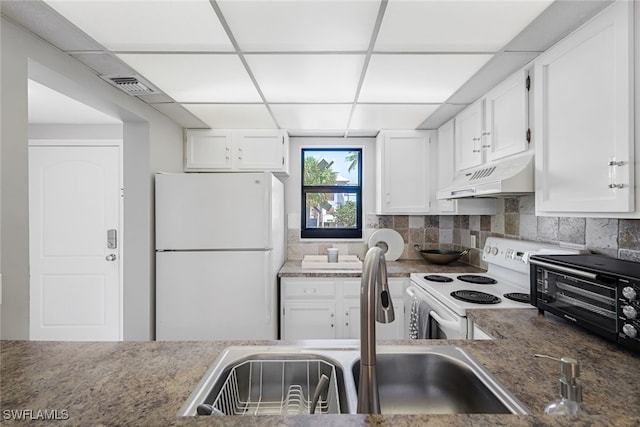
[(331, 210), (330, 167)]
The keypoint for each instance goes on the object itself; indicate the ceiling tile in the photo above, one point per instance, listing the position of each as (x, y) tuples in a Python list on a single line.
[(390, 116), (456, 26), (316, 25), (417, 78), (233, 116), (312, 116), (307, 78), (46, 23), (196, 77), (151, 25)]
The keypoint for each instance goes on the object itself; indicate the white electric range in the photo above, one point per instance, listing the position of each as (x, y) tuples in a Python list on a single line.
[(437, 302)]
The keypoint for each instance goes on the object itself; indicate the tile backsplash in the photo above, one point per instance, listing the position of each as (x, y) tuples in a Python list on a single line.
[(515, 219)]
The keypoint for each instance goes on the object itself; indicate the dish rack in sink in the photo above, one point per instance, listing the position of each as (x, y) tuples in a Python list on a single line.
[(278, 387)]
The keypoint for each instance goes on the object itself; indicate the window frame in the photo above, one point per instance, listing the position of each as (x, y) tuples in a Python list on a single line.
[(331, 232)]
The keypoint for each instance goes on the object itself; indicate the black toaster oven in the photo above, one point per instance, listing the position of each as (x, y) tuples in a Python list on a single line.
[(599, 293)]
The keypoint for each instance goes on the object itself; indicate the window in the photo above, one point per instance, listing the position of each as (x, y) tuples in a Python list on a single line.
[(331, 193)]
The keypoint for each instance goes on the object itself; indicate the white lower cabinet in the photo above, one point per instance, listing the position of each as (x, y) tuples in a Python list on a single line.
[(309, 320), (326, 308)]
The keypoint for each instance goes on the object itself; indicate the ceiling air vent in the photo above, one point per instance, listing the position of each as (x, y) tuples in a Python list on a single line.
[(131, 85)]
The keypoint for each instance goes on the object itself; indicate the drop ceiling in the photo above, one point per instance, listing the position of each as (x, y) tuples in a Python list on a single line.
[(308, 66)]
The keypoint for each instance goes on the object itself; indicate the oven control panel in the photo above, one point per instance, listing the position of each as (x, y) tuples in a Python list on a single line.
[(515, 254), (629, 313)]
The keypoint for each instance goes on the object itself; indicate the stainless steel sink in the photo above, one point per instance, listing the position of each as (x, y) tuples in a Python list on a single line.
[(436, 383), (411, 379)]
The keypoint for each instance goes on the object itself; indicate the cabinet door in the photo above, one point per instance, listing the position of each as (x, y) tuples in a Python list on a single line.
[(406, 173), (384, 331), (506, 118), (207, 149), (583, 101), (445, 167), (308, 320), (261, 150), (351, 311), (468, 137)]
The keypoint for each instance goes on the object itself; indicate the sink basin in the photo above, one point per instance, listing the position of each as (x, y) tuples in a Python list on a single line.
[(432, 383), (411, 380), (244, 382)]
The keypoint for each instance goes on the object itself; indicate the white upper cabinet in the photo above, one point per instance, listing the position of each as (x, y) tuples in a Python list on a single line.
[(236, 150), (506, 119), (495, 126), (446, 172), (405, 175), (468, 136), (584, 118)]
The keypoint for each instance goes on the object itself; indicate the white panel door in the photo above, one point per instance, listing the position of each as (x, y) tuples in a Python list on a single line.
[(74, 199), (583, 101)]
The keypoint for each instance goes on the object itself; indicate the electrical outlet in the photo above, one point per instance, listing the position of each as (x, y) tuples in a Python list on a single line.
[(472, 241)]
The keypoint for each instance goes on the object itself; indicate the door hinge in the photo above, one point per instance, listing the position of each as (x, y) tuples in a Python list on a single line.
[(122, 192), (528, 135), (282, 160), (527, 83)]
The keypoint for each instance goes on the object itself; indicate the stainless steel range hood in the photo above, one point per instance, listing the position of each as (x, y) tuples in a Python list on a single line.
[(505, 177)]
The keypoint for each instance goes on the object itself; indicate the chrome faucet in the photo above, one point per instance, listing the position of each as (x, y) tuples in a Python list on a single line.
[(374, 295)]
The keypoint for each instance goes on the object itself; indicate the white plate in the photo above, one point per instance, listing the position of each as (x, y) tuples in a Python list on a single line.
[(393, 240)]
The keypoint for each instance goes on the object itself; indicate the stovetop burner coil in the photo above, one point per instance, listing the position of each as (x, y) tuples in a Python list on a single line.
[(478, 280), (517, 296), (438, 278), (475, 297)]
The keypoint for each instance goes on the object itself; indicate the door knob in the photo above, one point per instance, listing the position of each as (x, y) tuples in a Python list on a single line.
[(111, 257)]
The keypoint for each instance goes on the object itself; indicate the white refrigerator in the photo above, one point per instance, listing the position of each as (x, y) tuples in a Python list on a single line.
[(220, 241)]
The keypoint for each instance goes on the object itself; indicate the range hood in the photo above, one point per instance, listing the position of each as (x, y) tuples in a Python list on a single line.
[(505, 177)]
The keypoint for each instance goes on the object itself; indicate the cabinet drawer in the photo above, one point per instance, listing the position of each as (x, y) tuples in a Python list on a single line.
[(297, 289)]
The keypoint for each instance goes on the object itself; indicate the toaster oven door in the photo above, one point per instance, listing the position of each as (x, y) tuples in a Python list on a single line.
[(587, 302)]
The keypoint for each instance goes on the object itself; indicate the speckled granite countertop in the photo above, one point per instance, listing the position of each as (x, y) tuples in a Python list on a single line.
[(145, 383), (394, 269)]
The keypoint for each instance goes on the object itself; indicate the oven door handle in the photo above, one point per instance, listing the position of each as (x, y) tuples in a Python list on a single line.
[(563, 269), (451, 324)]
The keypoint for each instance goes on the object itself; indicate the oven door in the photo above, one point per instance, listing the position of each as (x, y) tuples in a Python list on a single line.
[(430, 319)]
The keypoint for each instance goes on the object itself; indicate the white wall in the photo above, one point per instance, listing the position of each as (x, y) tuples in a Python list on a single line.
[(152, 143)]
